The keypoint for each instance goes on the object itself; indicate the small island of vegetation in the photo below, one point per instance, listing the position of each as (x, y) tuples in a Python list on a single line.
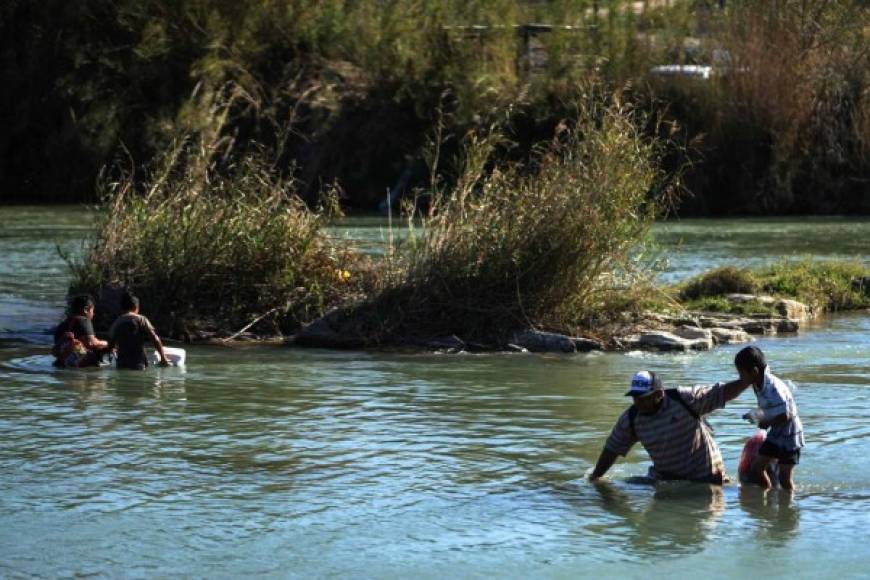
[(528, 161)]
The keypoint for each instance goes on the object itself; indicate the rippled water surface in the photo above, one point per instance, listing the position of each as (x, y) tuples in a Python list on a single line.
[(290, 463)]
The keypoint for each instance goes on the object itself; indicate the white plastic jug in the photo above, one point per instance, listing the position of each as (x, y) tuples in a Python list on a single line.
[(175, 356)]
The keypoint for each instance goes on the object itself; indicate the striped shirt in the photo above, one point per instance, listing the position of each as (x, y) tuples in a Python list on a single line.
[(680, 446)]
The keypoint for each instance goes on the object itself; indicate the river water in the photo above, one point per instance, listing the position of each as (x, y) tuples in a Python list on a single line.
[(276, 462)]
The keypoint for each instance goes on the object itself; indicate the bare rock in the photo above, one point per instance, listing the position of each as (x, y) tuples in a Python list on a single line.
[(586, 344), (478, 347), (743, 298), (693, 332), (627, 342), (537, 341), (710, 320), (769, 325), (668, 319), (753, 324), (323, 333), (667, 341), (730, 336), (793, 309), (785, 307), (515, 348)]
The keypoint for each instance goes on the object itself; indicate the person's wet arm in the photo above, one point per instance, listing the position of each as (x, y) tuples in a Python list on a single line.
[(89, 338), (732, 390), (780, 419), (605, 462), (91, 342), (704, 400), (158, 345), (618, 443)]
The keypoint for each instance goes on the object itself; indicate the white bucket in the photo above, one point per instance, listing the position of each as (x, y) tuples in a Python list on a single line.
[(175, 356)]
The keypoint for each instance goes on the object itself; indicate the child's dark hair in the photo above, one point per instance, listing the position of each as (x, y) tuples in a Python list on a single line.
[(129, 302), (749, 358), (79, 303)]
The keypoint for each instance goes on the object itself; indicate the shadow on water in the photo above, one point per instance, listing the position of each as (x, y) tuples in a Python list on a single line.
[(775, 512), (676, 518)]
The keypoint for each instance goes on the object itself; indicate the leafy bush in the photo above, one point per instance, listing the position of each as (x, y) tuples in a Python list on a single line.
[(727, 280), (821, 284), (512, 246), (201, 247)]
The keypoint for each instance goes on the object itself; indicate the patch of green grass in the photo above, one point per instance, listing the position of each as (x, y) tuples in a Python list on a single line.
[(822, 285), (727, 280), (826, 285), (722, 305)]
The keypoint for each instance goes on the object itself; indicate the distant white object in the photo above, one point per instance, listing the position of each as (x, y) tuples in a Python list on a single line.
[(683, 70), (175, 356)]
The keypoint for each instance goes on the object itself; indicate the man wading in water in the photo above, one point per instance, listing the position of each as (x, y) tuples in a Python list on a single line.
[(671, 427)]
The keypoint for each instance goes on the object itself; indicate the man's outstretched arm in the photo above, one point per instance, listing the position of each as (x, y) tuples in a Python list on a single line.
[(605, 460), (733, 389)]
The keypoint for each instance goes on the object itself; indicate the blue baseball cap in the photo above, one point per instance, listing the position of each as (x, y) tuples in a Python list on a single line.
[(644, 383)]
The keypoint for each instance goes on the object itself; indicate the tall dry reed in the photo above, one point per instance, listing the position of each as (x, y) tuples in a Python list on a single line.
[(512, 246), (213, 247)]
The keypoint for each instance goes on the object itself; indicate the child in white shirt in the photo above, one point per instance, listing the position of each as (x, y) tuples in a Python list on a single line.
[(777, 413)]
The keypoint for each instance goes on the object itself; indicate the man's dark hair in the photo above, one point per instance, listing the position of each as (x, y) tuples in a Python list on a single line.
[(129, 301), (78, 304), (749, 358)]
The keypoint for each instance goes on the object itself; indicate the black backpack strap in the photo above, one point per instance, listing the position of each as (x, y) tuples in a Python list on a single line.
[(632, 414), (674, 395)]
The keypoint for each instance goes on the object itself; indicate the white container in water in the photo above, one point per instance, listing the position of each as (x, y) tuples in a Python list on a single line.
[(175, 356)]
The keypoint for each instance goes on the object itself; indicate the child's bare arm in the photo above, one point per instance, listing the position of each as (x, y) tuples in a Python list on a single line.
[(158, 345), (778, 420)]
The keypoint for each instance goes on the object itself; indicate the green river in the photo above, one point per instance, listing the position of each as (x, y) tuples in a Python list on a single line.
[(274, 462)]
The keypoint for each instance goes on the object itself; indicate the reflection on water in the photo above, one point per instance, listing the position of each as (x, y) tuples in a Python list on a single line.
[(670, 518), (267, 461), (775, 511), (385, 462)]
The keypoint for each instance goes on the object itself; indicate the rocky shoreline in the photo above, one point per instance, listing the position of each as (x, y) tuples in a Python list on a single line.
[(683, 332)]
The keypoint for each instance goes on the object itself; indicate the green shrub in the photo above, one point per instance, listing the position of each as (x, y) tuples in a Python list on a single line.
[(217, 250), (723, 305), (727, 280), (822, 285), (826, 285), (513, 246)]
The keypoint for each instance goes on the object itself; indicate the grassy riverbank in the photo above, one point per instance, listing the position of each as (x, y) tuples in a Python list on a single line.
[(782, 126), (822, 286)]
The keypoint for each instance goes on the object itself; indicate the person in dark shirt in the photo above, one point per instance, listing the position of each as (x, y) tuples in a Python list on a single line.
[(75, 343), (128, 335)]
